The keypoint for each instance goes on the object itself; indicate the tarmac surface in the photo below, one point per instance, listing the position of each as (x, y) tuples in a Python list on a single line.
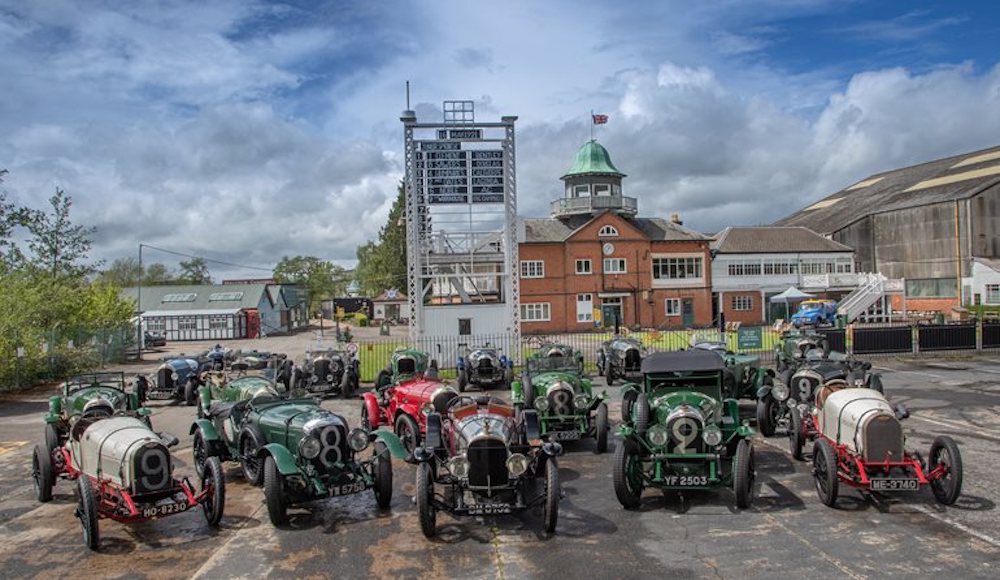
[(786, 533)]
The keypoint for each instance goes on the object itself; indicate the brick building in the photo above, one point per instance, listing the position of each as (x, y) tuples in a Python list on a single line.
[(595, 262)]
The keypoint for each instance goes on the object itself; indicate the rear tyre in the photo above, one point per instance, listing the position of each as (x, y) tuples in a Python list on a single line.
[(347, 385), (463, 380), (609, 373), (408, 433), (551, 513), (190, 393), (601, 428), (743, 475), (627, 475), (42, 474), (767, 411), (86, 510), (199, 451), (383, 475), (250, 443), (628, 402), (529, 393), (641, 414), (51, 437), (944, 452), (425, 495), (274, 493), (796, 440), (215, 503), (825, 472)]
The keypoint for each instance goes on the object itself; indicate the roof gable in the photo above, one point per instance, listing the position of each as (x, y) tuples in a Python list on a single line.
[(589, 230), (773, 240)]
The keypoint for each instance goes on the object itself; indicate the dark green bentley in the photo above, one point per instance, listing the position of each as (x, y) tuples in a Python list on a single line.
[(681, 433), (554, 385), (91, 395), (298, 450), (218, 387)]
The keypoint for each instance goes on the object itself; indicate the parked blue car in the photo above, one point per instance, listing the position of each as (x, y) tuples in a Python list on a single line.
[(815, 313)]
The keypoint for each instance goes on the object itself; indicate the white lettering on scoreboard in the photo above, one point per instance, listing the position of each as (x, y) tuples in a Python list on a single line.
[(450, 174)]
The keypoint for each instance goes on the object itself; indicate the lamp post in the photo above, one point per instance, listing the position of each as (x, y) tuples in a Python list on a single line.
[(138, 307)]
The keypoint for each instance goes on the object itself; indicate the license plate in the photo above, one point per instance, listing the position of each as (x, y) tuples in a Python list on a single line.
[(894, 484), (348, 488), (159, 395), (165, 509), (564, 435), (490, 509), (686, 480)]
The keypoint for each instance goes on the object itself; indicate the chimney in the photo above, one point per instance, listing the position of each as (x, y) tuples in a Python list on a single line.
[(676, 219)]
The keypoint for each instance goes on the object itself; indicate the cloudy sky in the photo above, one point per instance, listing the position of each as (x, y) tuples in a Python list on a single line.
[(244, 131)]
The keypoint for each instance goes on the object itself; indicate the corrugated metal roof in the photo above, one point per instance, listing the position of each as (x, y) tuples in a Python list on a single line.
[(773, 240), (941, 180), (250, 296), (207, 312)]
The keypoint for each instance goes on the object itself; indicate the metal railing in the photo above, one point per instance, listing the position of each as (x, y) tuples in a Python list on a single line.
[(574, 205)]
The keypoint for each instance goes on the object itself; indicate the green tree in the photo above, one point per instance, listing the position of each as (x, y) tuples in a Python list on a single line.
[(56, 244), (382, 263), (158, 274), (195, 271), (123, 272), (322, 279)]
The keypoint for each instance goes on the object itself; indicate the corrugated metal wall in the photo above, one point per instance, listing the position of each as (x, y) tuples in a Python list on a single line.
[(985, 223)]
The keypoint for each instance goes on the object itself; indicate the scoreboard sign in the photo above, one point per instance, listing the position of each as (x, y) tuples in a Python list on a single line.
[(451, 173)]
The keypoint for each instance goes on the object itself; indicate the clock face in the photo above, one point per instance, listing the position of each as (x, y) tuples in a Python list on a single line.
[(609, 249)]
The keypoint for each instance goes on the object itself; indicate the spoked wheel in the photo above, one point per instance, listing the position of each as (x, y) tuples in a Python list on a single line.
[(767, 415), (796, 439), (199, 450), (86, 510), (51, 437), (744, 473), (628, 401), (42, 474), (642, 412), (408, 433), (215, 503), (366, 423), (944, 452), (382, 467), (251, 464), (425, 495), (274, 493), (601, 428), (627, 475), (551, 514), (825, 472)]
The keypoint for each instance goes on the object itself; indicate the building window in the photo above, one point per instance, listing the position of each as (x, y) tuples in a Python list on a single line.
[(584, 307), (538, 312), (932, 288), (225, 296), (186, 297), (992, 294), (742, 303), (602, 189), (745, 268), (187, 324), (780, 268), (676, 268), (818, 267), (673, 306), (532, 269), (156, 325), (845, 265), (581, 191), (614, 266), (608, 231), (218, 323), (584, 267)]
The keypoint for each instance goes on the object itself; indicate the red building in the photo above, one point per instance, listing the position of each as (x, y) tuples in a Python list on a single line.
[(594, 262)]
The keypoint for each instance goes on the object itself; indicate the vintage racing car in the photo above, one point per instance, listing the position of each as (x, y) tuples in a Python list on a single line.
[(176, 378), (484, 367), (329, 370), (553, 384), (219, 387), (794, 344), (486, 459), (815, 313), (620, 358), (860, 443), (124, 472), (743, 377), (101, 394), (682, 434)]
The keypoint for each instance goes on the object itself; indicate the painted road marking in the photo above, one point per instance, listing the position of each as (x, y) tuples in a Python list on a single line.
[(967, 427), (958, 526), (6, 446)]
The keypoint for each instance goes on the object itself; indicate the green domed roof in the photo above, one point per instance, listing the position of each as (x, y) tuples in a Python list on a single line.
[(593, 159)]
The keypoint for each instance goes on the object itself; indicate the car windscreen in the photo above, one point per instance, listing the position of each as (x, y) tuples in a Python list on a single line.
[(553, 363)]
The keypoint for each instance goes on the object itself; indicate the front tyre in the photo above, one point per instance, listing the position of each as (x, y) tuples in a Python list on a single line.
[(944, 453), (86, 510), (51, 437), (463, 380), (215, 503), (825, 472), (42, 474), (744, 473), (274, 493), (642, 413), (601, 428), (408, 433), (551, 514), (347, 385), (199, 451), (627, 475), (250, 443), (190, 393), (628, 401), (609, 373), (796, 439), (382, 468), (767, 413), (425, 495)]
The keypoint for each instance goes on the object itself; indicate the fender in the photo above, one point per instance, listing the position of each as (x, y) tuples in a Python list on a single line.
[(374, 412), (55, 409), (206, 397), (283, 458), (763, 391), (392, 442), (516, 393), (531, 426), (630, 387), (207, 429)]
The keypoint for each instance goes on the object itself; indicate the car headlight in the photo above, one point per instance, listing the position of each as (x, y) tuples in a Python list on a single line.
[(517, 464), (859, 382), (358, 439), (658, 435), (329, 377), (780, 391), (459, 466), (712, 435), (427, 408), (309, 447), (541, 404), (314, 379), (580, 401), (174, 376)]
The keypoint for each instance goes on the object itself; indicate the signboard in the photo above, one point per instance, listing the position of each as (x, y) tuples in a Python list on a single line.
[(450, 174), (750, 338)]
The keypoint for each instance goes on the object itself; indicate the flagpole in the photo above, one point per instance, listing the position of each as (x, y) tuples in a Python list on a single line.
[(591, 124)]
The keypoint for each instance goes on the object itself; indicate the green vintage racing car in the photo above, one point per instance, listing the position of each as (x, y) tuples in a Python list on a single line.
[(101, 394)]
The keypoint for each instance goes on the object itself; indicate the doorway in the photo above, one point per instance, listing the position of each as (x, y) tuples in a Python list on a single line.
[(687, 312), (611, 311)]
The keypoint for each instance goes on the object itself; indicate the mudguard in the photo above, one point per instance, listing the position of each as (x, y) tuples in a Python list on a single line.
[(516, 393), (531, 425), (370, 401), (205, 393), (207, 429), (630, 387), (763, 391), (55, 409), (283, 458), (392, 442)]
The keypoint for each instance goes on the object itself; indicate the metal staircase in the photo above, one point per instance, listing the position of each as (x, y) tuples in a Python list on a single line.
[(868, 301)]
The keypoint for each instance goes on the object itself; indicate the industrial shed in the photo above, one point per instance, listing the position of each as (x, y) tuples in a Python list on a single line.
[(923, 223)]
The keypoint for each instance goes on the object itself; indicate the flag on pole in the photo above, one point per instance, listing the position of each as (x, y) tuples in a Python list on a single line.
[(599, 119)]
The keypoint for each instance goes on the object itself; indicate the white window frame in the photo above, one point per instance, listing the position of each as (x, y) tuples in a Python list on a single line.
[(688, 280), (601, 189), (581, 190), (620, 266), (608, 231), (585, 307), (187, 323), (532, 268), (218, 323), (156, 325), (588, 270), (672, 306), (536, 312), (992, 294), (741, 303)]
